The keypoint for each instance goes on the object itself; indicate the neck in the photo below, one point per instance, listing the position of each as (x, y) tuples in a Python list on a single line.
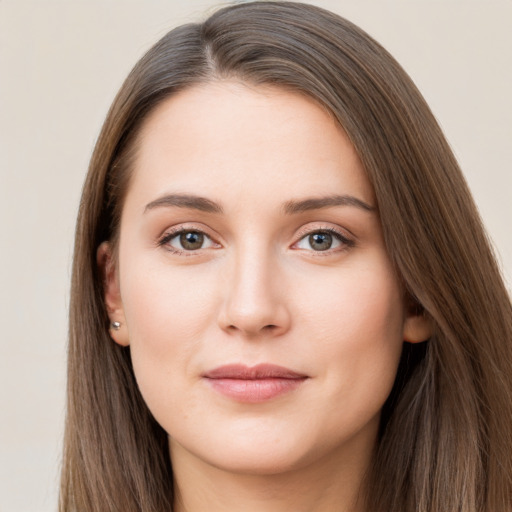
[(309, 488)]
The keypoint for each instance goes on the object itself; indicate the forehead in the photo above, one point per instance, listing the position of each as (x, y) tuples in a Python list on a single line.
[(228, 140)]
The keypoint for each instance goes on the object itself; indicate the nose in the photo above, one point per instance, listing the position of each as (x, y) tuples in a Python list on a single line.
[(255, 302)]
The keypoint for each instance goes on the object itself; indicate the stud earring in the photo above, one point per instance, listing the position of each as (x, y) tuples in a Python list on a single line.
[(116, 326)]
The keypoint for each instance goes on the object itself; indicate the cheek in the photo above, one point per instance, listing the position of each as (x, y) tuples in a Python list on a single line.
[(166, 304), (167, 312), (359, 304), (357, 320)]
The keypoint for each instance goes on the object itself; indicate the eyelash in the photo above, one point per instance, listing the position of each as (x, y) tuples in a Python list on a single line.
[(346, 243), (170, 235)]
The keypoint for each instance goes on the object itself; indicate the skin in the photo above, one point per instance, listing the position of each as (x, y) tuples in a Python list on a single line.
[(257, 291)]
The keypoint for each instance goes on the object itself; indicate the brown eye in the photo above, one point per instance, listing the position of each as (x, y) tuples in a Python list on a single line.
[(320, 241), (191, 240), (323, 240), (186, 240)]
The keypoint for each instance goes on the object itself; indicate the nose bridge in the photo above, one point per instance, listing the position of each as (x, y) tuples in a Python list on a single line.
[(254, 302)]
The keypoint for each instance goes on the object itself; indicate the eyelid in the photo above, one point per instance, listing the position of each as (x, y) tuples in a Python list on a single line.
[(170, 233), (346, 240)]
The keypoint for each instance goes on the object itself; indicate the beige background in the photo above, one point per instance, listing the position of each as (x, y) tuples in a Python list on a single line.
[(61, 63)]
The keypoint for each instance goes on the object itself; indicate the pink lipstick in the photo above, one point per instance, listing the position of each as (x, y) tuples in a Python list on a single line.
[(253, 384)]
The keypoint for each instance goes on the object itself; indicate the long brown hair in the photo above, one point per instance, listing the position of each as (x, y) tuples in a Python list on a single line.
[(445, 442)]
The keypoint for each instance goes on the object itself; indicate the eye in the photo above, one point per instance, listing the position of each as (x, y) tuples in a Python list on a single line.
[(323, 240), (186, 240)]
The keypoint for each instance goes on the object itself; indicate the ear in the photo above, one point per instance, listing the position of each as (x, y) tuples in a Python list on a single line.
[(112, 294), (417, 325)]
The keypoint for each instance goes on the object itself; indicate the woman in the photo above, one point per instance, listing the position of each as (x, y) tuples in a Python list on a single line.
[(282, 296)]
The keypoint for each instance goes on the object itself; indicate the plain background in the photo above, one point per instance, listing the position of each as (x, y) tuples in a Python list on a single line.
[(61, 63)]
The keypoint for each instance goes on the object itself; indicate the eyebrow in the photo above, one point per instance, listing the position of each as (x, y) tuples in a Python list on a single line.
[(317, 203), (289, 207), (185, 201)]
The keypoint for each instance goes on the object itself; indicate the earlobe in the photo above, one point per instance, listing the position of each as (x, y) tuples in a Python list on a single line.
[(417, 327), (111, 294)]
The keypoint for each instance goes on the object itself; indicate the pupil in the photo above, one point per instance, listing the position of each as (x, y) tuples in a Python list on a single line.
[(191, 240), (320, 241)]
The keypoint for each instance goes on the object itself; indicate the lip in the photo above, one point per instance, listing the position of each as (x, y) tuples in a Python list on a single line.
[(253, 384)]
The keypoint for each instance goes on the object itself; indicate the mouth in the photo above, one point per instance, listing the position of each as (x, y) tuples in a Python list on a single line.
[(253, 384)]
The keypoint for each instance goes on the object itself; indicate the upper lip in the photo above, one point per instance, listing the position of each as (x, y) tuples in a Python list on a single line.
[(258, 372)]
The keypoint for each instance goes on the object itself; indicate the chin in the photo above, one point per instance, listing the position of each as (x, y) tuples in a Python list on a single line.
[(250, 455), (270, 461)]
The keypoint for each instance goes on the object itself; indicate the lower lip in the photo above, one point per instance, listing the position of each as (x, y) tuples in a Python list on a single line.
[(254, 390)]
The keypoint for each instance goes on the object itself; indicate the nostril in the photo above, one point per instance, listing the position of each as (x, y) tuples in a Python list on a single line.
[(266, 328), (253, 320)]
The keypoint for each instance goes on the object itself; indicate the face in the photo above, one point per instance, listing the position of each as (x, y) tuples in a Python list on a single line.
[(264, 317)]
